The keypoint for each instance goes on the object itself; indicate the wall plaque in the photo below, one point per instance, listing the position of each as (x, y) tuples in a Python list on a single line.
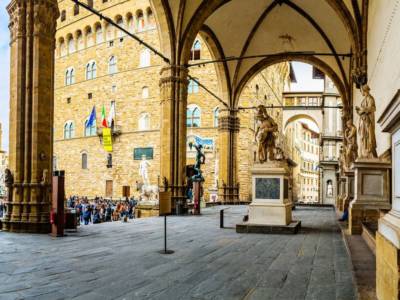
[(138, 152), (165, 203), (268, 188)]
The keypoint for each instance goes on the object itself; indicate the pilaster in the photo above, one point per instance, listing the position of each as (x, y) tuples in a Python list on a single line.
[(173, 93), (32, 27)]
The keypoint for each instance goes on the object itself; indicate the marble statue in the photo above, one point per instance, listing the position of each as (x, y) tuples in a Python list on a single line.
[(341, 160), (366, 126), (149, 193), (329, 189), (265, 135), (350, 136), (143, 170)]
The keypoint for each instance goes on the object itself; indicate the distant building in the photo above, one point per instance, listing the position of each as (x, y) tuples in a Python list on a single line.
[(3, 165)]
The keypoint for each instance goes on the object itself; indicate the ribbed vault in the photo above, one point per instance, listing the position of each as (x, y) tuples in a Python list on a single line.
[(321, 32)]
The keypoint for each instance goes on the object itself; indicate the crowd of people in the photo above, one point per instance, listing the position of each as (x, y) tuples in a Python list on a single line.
[(99, 210)]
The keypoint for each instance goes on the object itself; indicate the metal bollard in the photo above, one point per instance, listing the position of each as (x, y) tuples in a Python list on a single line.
[(221, 218)]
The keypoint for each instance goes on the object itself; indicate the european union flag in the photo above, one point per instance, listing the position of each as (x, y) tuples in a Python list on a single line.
[(92, 118)]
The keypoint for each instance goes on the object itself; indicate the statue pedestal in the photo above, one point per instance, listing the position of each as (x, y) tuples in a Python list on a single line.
[(271, 207), (372, 192), (145, 209), (196, 197), (349, 189)]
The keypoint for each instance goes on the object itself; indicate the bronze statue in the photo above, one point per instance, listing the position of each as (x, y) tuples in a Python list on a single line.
[(366, 126), (350, 135), (200, 160), (265, 135)]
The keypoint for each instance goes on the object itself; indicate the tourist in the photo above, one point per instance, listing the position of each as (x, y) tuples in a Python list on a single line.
[(87, 215)]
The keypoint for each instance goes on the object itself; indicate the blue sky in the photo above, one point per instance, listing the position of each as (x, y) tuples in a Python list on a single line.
[(304, 79), (4, 71)]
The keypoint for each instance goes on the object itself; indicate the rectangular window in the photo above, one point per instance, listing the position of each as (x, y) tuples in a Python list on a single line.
[(111, 43), (89, 96), (68, 100), (139, 152)]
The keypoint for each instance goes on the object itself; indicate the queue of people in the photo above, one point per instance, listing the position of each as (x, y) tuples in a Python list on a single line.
[(99, 210)]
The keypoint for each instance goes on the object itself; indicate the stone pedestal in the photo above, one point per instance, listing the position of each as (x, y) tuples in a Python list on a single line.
[(348, 189), (372, 192), (147, 209), (196, 197), (271, 207)]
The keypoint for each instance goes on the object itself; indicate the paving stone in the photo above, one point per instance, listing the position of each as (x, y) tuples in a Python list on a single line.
[(121, 261)]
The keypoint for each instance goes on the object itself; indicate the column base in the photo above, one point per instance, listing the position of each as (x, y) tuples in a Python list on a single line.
[(26, 227), (358, 214)]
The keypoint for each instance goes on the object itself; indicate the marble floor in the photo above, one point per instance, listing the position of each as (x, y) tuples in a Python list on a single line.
[(121, 261)]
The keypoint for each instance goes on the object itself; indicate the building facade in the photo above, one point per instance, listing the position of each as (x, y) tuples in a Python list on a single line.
[(316, 153), (99, 67)]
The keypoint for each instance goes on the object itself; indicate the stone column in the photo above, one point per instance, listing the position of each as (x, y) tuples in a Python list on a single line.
[(228, 130), (32, 27), (173, 95)]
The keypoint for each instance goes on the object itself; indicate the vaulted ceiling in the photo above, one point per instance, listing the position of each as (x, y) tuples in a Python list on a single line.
[(320, 31)]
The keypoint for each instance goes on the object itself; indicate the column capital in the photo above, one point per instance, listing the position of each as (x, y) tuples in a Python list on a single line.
[(170, 74), (229, 123)]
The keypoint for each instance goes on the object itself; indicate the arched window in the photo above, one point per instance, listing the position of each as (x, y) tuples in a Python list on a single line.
[(193, 87), (193, 116), (144, 121), (145, 92), (112, 65), (89, 37), (63, 15), (144, 58), (91, 70), (70, 76), (195, 51), (79, 40), (150, 18), (76, 9), (99, 34), (216, 116), (71, 45), (91, 130), (120, 22), (109, 32), (131, 24), (63, 49), (69, 130), (140, 21), (84, 161)]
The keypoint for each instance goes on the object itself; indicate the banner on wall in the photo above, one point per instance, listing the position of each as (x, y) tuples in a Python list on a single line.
[(107, 140)]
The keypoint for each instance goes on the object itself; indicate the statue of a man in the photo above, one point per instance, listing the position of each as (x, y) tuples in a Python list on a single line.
[(143, 170), (350, 135), (341, 160), (366, 126), (200, 160), (265, 135)]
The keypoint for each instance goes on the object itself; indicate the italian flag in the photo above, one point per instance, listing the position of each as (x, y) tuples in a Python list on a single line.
[(103, 117)]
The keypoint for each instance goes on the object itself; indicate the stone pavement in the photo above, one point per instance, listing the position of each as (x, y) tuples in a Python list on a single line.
[(120, 261)]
